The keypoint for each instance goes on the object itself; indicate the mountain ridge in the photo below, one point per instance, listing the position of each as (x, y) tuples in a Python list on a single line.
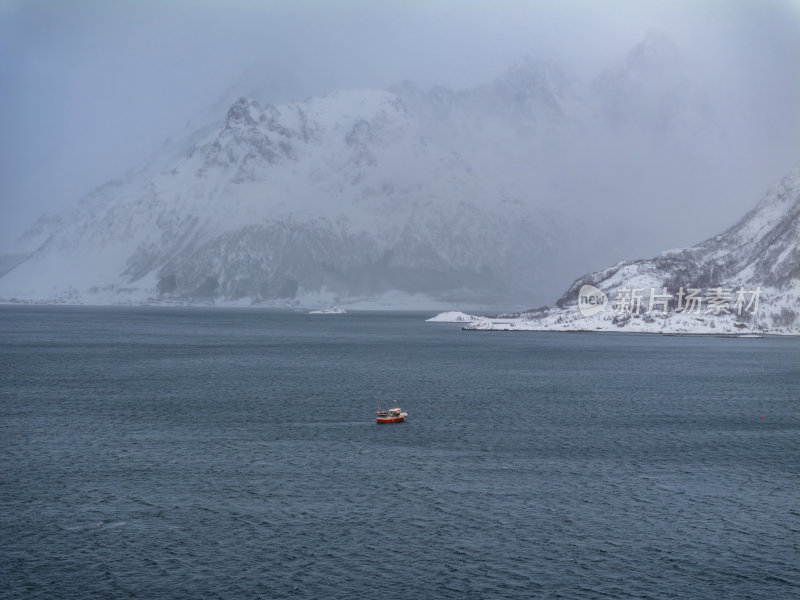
[(351, 195)]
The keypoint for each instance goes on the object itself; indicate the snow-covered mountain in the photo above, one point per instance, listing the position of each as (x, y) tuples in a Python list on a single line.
[(442, 194), (339, 195), (746, 279)]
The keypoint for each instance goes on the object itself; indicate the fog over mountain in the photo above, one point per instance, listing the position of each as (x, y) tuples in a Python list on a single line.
[(494, 192)]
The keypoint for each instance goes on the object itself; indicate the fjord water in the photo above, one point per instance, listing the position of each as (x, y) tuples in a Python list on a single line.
[(210, 453)]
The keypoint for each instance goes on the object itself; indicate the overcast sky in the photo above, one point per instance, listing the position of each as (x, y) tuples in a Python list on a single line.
[(89, 89)]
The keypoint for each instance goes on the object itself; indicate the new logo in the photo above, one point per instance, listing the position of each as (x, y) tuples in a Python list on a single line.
[(591, 300)]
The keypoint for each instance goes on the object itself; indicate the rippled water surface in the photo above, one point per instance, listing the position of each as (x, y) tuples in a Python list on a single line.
[(201, 453)]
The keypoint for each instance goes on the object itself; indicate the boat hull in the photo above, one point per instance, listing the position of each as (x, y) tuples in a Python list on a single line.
[(385, 420), (393, 415)]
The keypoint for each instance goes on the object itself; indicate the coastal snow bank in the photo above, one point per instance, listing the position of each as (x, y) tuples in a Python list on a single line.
[(453, 316)]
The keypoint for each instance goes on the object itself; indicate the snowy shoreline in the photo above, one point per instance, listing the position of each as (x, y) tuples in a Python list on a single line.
[(629, 332), (563, 321), (389, 301)]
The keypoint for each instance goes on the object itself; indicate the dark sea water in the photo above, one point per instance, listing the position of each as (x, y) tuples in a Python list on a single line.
[(202, 453)]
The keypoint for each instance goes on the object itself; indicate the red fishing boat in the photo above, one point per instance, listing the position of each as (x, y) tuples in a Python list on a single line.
[(393, 415)]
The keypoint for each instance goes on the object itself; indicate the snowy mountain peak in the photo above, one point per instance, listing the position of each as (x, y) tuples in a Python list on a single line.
[(534, 89), (244, 112), (655, 62), (529, 73)]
